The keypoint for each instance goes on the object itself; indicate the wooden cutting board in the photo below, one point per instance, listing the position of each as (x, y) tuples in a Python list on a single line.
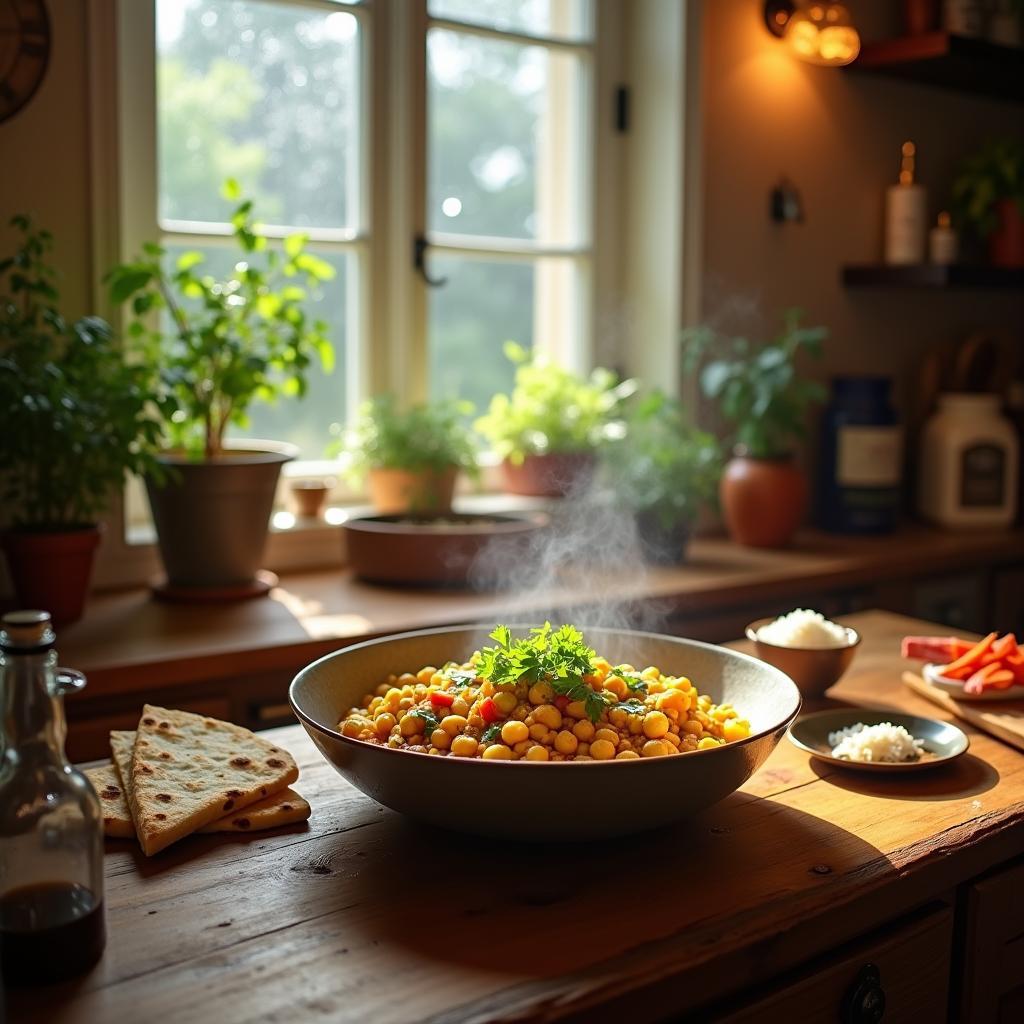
[(1004, 720)]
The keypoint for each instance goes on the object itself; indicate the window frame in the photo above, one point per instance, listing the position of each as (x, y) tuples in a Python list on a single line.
[(390, 351)]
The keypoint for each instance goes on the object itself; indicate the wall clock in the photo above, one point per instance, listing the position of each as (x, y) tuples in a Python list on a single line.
[(24, 52)]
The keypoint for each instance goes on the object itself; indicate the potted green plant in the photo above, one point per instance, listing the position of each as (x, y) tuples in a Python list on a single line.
[(74, 418), (761, 392), (219, 345), (663, 469), (409, 458), (988, 199), (547, 431)]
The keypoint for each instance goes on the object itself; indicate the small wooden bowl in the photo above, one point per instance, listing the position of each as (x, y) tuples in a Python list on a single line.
[(813, 669)]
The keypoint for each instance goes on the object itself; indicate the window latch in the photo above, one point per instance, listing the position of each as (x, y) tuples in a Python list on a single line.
[(419, 262)]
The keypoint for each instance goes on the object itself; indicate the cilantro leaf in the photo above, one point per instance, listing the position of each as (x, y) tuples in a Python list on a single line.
[(430, 722), (633, 706), (491, 732)]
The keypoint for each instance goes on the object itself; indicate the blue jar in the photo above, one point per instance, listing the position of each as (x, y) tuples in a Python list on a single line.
[(861, 464)]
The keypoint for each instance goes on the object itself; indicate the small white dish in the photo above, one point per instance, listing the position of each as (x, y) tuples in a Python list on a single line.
[(955, 687)]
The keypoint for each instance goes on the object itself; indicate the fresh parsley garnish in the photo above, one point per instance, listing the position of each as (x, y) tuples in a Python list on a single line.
[(633, 682), (430, 722), (560, 657), (633, 706), (491, 732), (460, 676)]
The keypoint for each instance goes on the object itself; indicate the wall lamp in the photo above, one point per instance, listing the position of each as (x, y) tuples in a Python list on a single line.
[(819, 32)]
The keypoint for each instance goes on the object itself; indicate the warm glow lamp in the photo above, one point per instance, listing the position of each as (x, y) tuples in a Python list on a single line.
[(819, 32)]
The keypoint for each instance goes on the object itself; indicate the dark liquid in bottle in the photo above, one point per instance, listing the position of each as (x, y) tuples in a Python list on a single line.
[(49, 932)]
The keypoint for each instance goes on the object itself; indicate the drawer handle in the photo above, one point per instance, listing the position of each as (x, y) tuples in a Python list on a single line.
[(864, 1002)]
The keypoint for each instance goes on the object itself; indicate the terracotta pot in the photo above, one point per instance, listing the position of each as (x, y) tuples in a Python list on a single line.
[(1006, 243), (309, 497), (211, 517), (660, 544), (548, 476), (763, 500), (397, 491), (50, 569)]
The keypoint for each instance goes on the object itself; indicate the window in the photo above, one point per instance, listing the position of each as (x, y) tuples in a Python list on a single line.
[(268, 92), (469, 124)]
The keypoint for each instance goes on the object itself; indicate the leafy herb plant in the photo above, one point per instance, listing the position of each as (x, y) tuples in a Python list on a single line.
[(224, 343), (551, 410), (758, 387), (994, 173), (662, 464), (426, 436), (74, 416)]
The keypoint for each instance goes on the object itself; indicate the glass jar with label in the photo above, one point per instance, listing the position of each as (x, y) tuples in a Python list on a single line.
[(860, 469), (969, 463)]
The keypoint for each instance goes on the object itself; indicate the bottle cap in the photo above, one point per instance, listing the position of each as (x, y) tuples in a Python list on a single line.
[(26, 630)]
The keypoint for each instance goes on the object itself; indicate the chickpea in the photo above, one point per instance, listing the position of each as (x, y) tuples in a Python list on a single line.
[(410, 725), (384, 724), (602, 750), (453, 724), (497, 752), (549, 715), (655, 725), (459, 707), (537, 753), (566, 743), (627, 755), (584, 730), (654, 748), (464, 746), (692, 726), (440, 739), (351, 728), (541, 693), (505, 702), (538, 731), (616, 685), (708, 742), (514, 732), (609, 735), (406, 679), (576, 708), (582, 749)]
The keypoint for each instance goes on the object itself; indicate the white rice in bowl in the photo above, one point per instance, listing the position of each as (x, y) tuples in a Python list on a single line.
[(804, 628), (884, 743)]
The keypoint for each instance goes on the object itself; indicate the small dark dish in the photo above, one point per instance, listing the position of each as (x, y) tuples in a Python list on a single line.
[(943, 741), (813, 669), (438, 550), (545, 800)]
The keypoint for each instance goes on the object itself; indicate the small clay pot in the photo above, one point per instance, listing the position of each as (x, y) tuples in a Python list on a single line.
[(548, 476), (50, 569), (310, 496), (1006, 243), (763, 500), (397, 491)]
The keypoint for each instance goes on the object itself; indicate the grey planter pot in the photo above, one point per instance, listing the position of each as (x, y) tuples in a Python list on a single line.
[(211, 517)]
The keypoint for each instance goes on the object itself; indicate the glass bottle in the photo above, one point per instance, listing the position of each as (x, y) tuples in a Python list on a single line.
[(51, 831)]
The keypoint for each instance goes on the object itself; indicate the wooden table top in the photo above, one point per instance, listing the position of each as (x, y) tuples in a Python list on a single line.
[(365, 917), (128, 641)]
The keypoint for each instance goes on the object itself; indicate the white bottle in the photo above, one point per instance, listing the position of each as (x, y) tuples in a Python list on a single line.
[(969, 461), (906, 214), (942, 242)]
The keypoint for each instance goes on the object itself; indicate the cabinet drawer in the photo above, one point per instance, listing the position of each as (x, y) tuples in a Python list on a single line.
[(912, 960), (993, 949)]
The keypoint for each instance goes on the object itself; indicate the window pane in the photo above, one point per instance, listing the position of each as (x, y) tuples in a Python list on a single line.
[(488, 302), (263, 92), (506, 134), (305, 422), (563, 19)]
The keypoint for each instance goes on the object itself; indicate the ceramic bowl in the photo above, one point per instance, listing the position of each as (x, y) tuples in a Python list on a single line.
[(813, 669), (955, 687), (943, 741), (545, 801)]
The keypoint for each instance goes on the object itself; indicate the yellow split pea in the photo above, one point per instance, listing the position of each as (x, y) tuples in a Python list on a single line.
[(455, 713)]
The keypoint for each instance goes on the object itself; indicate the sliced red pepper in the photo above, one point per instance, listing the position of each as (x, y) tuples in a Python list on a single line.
[(489, 711), (440, 699), (561, 702)]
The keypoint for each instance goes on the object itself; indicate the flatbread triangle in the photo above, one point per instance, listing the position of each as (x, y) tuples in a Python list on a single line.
[(189, 770)]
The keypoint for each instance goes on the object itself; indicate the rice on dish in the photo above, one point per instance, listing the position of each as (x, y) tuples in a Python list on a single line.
[(885, 743), (804, 628)]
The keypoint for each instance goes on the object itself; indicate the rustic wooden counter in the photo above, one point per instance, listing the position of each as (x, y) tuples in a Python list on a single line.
[(764, 907)]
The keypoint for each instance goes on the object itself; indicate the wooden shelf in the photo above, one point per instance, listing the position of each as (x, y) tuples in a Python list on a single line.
[(950, 62), (927, 275)]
